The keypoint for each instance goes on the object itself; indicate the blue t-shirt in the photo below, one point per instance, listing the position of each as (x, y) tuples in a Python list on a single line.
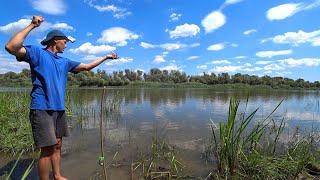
[(49, 74)]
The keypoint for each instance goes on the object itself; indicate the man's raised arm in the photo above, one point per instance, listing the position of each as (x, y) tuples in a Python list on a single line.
[(93, 64), (15, 45)]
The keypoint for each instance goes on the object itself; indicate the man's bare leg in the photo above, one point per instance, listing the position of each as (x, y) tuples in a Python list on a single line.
[(45, 162), (56, 160)]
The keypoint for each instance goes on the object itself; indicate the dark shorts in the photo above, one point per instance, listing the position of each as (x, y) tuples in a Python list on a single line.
[(47, 126)]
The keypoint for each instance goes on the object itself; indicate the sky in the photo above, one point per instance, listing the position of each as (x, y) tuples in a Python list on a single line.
[(269, 37)]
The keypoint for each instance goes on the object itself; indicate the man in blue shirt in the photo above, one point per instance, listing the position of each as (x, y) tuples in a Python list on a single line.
[(49, 73)]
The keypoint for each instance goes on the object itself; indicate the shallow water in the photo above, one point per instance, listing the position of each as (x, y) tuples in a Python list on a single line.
[(179, 116)]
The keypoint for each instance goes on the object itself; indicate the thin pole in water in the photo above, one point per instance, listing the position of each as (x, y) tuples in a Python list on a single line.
[(101, 158)]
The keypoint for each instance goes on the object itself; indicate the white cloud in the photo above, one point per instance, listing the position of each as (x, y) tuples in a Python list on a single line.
[(53, 7), (250, 31), (220, 62), (172, 46), (241, 57), (213, 21), (270, 54), (89, 34), (193, 57), (159, 59), (194, 45), (230, 69), (175, 16), (117, 35), (64, 26), (273, 67), (9, 63), (221, 69), (284, 11), (88, 48), (119, 61), (17, 26), (171, 67), (216, 47), (168, 46), (234, 45), (228, 2), (185, 30), (147, 45), (296, 38), (202, 67), (311, 62), (264, 62), (117, 12)]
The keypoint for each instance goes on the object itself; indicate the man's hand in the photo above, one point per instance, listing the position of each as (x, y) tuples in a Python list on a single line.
[(37, 20), (112, 56)]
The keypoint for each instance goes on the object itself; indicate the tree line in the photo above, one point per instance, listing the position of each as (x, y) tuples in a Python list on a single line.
[(121, 78)]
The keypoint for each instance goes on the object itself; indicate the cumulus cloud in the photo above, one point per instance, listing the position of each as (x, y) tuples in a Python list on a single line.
[(202, 67), (185, 30), (270, 54), (273, 67), (175, 17), (310, 62), (264, 62), (247, 67), (220, 62), (10, 64), (88, 48), (117, 35), (213, 21), (169, 46), (17, 26), (52, 7), (64, 26), (159, 59), (296, 38), (284, 11), (147, 45), (241, 57), (117, 12), (193, 57), (249, 31), (119, 61), (229, 2), (216, 47), (171, 67)]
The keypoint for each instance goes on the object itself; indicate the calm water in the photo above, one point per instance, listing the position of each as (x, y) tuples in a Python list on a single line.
[(180, 116)]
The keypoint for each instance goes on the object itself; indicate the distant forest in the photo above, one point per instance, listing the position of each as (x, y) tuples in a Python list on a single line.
[(126, 77)]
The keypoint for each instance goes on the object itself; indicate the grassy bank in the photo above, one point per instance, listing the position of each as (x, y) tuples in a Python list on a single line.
[(15, 129)]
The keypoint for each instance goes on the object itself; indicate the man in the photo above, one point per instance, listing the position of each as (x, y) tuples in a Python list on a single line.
[(49, 73)]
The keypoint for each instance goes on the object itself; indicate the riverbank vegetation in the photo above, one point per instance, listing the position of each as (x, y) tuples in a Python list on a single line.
[(238, 148), (164, 78)]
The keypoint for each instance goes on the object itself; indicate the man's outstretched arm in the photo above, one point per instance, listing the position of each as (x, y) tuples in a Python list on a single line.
[(95, 63), (15, 45)]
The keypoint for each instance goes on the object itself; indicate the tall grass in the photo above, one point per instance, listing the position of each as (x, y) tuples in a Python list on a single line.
[(240, 153), (15, 129)]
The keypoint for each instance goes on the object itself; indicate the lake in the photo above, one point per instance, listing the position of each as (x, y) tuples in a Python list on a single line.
[(180, 117)]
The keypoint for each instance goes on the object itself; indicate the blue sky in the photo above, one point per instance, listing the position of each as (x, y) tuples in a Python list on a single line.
[(273, 37)]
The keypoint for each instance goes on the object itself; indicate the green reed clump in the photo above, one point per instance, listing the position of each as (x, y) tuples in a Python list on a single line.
[(15, 129), (240, 153)]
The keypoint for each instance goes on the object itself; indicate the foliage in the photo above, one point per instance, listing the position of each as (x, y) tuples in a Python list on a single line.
[(122, 78)]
